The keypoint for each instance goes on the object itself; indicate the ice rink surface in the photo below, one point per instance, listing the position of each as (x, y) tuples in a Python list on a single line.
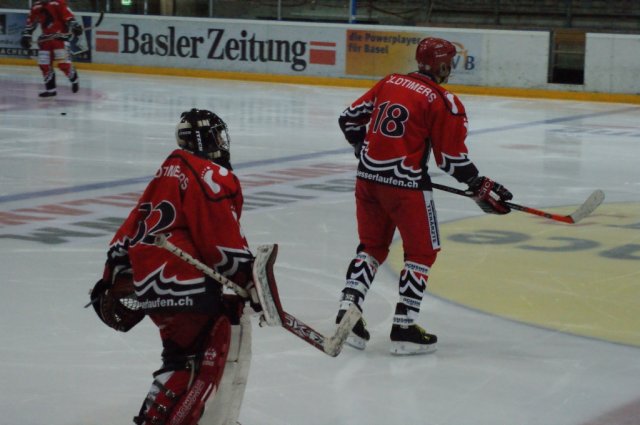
[(537, 321)]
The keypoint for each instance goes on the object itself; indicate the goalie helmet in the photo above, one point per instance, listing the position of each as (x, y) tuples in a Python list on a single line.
[(434, 57), (204, 134)]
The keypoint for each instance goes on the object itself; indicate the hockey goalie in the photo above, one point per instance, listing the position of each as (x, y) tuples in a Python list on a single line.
[(196, 200)]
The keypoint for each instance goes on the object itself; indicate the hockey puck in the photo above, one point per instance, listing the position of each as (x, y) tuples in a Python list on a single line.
[(63, 113)]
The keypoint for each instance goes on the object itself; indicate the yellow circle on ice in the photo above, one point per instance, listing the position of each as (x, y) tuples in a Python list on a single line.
[(582, 279)]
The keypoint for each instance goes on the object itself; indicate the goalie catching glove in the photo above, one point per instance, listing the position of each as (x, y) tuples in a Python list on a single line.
[(116, 305), (489, 195)]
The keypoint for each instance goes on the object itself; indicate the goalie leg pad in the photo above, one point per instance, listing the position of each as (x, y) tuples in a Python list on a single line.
[(191, 406), (166, 390), (179, 392), (224, 408)]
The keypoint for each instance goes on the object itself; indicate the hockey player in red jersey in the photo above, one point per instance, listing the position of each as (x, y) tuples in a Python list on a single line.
[(196, 201), (394, 127), (58, 24)]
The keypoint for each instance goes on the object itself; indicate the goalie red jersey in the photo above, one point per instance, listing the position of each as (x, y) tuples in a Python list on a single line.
[(190, 199), (195, 201), (400, 121)]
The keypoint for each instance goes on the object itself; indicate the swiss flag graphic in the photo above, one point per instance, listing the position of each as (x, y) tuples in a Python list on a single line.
[(107, 41), (322, 53)]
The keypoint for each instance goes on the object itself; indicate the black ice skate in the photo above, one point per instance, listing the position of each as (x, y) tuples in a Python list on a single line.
[(49, 85), (359, 334), (75, 86), (411, 340)]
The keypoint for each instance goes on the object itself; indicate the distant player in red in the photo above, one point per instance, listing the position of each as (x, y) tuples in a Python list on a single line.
[(58, 24), (196, 200), (394, 128)]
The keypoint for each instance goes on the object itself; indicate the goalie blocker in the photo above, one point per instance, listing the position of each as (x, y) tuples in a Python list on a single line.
[(207, 390)]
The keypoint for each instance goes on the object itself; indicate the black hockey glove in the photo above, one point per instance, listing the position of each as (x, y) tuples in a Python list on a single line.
[(357, 149), (25, 41), (489, 195), (75, 28)]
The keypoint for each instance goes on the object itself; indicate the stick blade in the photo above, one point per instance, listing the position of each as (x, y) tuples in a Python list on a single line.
[(273, 313), (333, 346), (589, 206)]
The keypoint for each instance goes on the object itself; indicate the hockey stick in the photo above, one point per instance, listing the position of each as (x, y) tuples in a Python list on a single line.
[(98, 22), (162, 242), (66, 36), (273, 313), (587, 207)]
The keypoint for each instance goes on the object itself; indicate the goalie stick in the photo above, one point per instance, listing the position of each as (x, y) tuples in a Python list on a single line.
[(587, 207), (267, 292)]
